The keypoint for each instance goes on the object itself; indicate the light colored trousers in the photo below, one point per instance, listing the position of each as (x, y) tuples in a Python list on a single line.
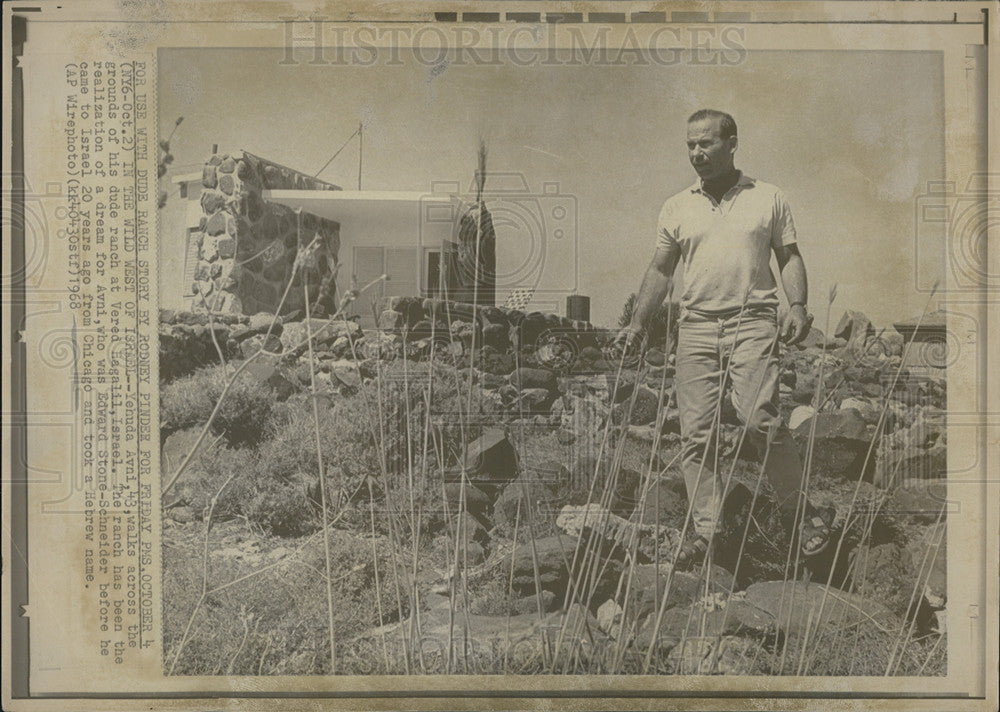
[(705, 345)]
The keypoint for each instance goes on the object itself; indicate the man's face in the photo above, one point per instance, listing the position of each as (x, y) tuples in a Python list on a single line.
[(709, 153)]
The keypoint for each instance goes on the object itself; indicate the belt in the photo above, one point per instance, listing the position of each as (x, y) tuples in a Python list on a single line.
[(765, 312)]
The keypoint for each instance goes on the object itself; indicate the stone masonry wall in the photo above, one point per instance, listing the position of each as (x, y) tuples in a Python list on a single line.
[(248, 245)]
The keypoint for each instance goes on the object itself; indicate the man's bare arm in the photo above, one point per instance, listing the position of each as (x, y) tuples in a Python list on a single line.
[(796, 285), (654, 287)]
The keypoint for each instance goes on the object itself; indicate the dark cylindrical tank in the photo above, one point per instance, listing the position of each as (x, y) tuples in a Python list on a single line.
[(578, 307)]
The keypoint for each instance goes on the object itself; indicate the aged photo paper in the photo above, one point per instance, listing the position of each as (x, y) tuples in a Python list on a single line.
[(504, 355)]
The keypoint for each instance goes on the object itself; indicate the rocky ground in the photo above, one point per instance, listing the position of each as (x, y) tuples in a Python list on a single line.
[(502, 495)]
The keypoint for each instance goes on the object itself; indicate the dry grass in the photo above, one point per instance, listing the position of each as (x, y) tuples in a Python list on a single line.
[(269, 562)]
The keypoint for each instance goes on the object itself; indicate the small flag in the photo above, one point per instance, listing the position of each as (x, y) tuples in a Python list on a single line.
[(519, 298)]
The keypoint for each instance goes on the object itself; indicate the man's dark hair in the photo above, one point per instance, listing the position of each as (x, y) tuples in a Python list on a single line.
[(727, 124)]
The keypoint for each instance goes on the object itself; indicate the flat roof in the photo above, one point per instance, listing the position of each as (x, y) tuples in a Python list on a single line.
[(342, 205), (185, 177)]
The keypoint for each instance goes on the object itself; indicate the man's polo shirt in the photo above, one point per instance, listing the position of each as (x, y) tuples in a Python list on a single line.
[(727, 246)]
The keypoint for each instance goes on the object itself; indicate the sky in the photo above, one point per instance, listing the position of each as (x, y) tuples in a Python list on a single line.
[(851, 137)]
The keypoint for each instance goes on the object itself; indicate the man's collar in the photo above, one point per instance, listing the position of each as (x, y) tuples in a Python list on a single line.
[(744, 181)]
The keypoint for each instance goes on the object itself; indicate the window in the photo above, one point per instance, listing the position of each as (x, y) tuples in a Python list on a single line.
[(190, 260), (431, 282), (398, 264), (401, 272)]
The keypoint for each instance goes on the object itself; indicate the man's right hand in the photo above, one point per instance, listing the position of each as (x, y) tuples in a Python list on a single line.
[(628, 342)]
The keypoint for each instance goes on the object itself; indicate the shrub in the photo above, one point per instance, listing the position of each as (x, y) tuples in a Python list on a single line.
[(283, 511), (243, 417), (663, 319), (277, 505)]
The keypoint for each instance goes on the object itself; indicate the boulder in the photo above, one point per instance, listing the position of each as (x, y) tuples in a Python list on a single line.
[(584, 416), (491, 458), (391, 320), (553, 555), (239, 333), (904, 466), (470, 530), (182, 514), (477, 502), (665, 503), (854, 327), (610, 618), (589, 478), (649, 585), (805, 387), (800, 415), (346, 372), (262, 321), (294, 334), (880, 572), (892, 342), (281, 384), (795, 605), (534, 400), (525, 377), (686, 622), (379, 345), (533, 496), (919, 499), (565, 436), (546, 601), (250, 346), (654, 357), (815, 339), (495, 335), (638, 411), (303, 373), (841, 443), (599, 521), (870, 410)]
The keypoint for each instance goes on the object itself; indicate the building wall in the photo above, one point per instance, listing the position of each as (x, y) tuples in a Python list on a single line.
[(390, 242), (249, 249), (177, 247), (236, 247)]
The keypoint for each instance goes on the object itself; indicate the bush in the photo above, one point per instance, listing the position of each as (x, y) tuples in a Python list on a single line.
[(283, 511), (189, 401), (663, 319), (425, 392)]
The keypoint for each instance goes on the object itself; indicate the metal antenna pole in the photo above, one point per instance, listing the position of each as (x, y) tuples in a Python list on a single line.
[(361, 149)]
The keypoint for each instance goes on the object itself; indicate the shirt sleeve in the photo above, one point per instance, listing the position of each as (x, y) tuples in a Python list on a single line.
[(667, 229), (782, 225)]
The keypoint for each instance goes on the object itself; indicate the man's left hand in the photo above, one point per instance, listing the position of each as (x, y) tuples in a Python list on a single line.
[(796, 325)]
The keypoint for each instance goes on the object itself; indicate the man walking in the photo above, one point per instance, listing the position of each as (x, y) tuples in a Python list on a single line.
[(725, 228)]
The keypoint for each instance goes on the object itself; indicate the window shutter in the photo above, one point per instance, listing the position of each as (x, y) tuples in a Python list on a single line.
[(401, 270), (190, 260), (368, 265)]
